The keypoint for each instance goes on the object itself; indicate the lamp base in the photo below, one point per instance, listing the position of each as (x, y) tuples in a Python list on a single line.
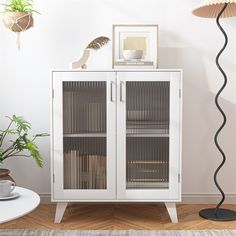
[(222, 214)]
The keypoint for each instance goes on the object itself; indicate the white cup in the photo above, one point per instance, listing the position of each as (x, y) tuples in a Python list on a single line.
[(6, 187)]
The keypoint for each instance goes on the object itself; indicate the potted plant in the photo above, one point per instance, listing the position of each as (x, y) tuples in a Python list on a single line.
[(18, 144), (18, 15)]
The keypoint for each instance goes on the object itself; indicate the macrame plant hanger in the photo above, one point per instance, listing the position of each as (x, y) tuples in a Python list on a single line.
[(22, 29), (14, 24)]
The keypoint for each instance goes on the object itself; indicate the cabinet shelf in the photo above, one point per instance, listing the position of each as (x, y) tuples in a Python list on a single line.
[(89, 135), (130, 134), (147, 162), (146, 185), (144, 128)]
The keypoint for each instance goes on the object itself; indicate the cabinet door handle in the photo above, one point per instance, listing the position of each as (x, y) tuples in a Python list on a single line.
[(122, 99), (112, 91)]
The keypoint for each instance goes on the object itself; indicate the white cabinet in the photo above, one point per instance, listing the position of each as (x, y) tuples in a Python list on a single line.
[(116, 137)]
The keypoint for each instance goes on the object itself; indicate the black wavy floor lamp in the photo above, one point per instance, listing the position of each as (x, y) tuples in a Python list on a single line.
[(218, 9)]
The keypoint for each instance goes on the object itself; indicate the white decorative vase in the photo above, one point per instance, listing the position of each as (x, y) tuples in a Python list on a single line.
[(132, 54)]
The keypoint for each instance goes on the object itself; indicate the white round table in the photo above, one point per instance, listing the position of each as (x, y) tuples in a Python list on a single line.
[(15, 208)]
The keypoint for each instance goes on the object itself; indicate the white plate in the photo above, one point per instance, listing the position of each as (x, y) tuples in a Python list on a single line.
[(12, 196)]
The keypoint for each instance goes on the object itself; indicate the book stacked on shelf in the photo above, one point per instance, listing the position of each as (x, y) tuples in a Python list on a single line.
[(147, 174), (84, 171), (133, 64), (84, 107), (91, 115)]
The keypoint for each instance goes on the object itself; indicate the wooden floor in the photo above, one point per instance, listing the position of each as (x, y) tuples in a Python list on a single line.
[(120, 217)]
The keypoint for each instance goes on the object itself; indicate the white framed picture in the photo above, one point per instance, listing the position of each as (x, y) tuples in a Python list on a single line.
[(135, 46)]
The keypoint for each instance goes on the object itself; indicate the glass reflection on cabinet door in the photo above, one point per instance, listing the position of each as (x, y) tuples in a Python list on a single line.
[(147, 134), (84, 130)]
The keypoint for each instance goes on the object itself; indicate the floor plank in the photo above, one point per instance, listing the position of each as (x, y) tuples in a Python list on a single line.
[(119, 217)]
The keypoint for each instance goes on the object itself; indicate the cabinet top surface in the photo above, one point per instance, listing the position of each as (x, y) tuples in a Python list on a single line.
[(118, 70)]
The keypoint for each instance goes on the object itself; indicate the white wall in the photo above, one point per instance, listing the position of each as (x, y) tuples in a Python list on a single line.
[(185, 41)]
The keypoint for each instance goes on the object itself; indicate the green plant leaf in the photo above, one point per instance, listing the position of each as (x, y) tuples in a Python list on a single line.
[(20, 6), (11, 131), (18, 129), (1, 156), (34, 152), (22, 125), (41, 135)]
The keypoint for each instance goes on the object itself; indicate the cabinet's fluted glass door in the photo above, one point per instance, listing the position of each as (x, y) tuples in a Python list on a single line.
[(148, 125), (84, 129), (147, 134), (84, 135)]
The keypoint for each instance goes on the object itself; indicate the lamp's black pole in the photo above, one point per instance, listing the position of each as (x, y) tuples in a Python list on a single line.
[(217, 213)]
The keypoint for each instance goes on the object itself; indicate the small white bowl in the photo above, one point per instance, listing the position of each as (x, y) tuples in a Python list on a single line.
[(132, 54)]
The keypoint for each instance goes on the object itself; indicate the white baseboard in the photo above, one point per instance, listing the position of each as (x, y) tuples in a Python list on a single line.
[(186, 198), (45, 198), (207, 198)]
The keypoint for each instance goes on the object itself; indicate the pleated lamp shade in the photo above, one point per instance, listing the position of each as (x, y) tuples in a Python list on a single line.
[(211, 8)]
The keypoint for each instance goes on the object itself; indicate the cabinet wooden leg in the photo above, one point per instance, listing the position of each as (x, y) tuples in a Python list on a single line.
[(61, 207), (171, 208)]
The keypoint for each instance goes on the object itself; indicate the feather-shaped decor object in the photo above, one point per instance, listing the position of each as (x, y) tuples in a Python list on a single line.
[(97, 43)]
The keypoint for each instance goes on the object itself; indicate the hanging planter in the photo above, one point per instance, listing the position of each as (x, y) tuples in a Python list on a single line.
[(18, 16), (18, 21)]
